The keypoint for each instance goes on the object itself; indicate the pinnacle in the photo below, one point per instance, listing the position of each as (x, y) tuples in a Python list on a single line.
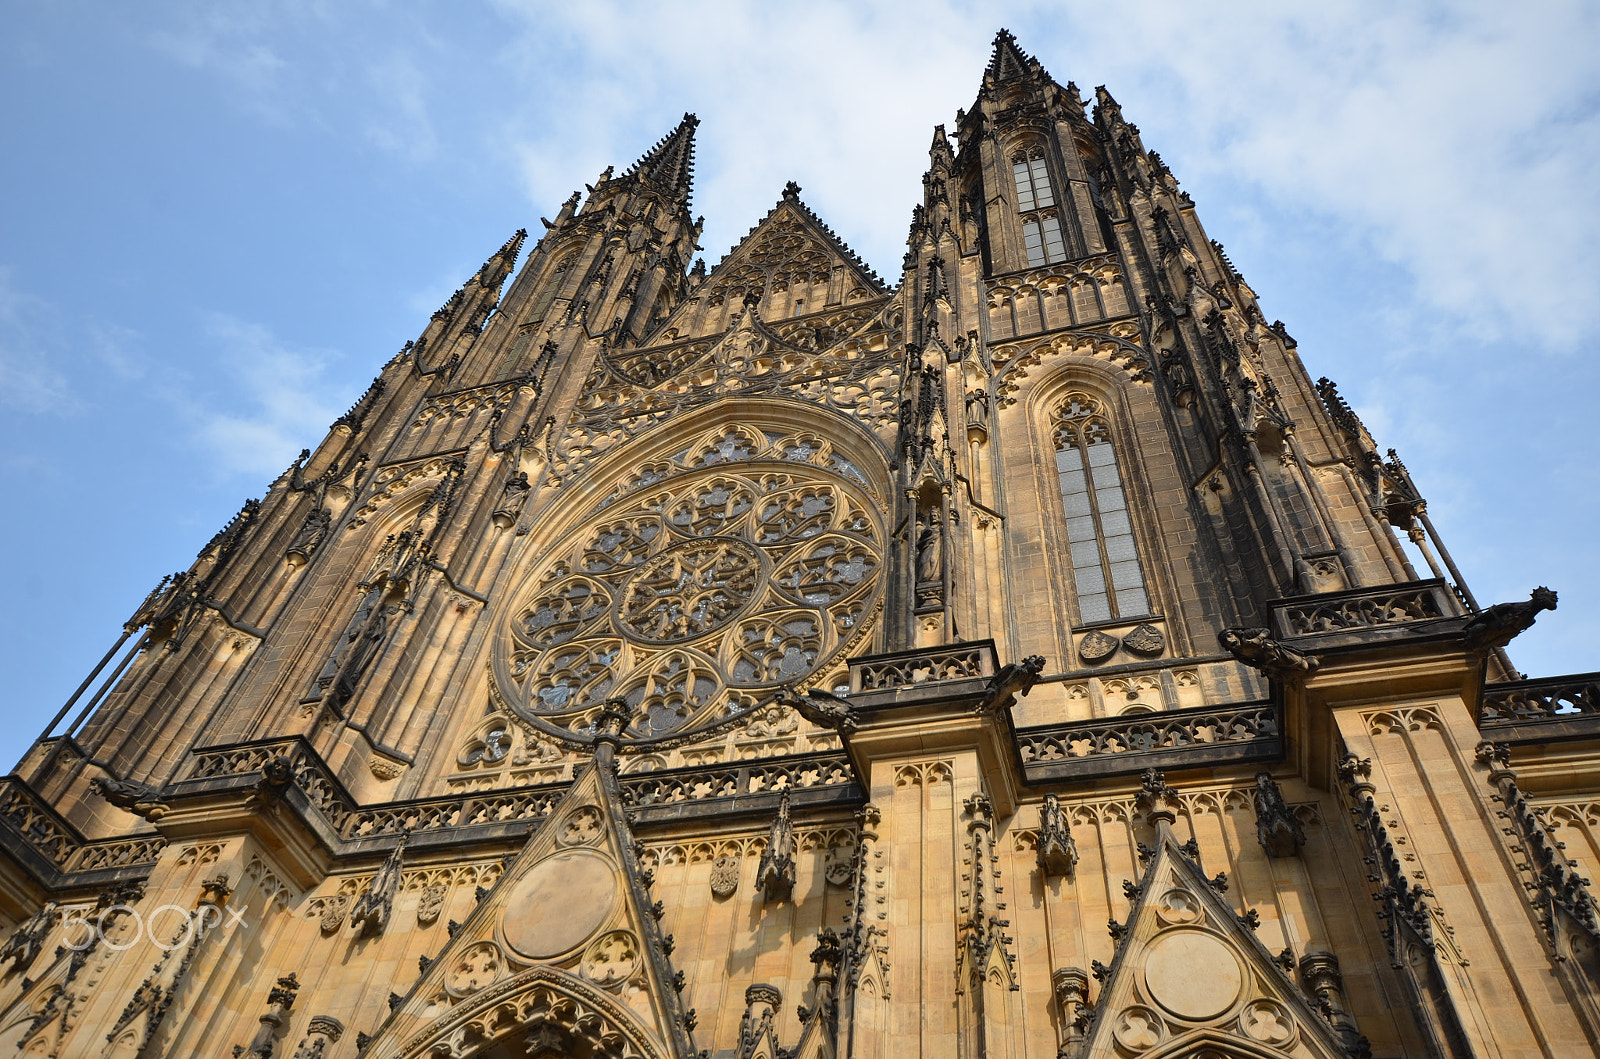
[(1008, 61), (670, 163)]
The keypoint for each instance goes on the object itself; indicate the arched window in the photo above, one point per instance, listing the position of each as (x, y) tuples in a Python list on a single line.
[(552, 287), (1042, 240), (1105, 559), (508, 363)]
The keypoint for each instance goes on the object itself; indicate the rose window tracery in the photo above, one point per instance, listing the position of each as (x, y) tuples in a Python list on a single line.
[(698, 592)]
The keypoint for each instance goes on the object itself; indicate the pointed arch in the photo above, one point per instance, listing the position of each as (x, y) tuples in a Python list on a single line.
[(1107, 574)]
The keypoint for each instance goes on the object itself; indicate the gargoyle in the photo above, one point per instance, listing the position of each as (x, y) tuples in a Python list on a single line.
[(1013, 679), (1501, 623), (822, 708), (276, 775), (1257, 649), (139, 799)]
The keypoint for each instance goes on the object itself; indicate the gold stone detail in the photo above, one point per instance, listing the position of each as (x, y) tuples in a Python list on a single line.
[(1192, 974), (559, 904)]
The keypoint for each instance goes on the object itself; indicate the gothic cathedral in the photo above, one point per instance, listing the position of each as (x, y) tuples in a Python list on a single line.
[(1023, 660)]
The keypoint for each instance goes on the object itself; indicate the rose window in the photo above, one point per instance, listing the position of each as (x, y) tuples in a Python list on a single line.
[(699, 593)]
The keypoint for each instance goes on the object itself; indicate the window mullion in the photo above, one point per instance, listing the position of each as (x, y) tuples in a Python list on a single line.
[(1082, 443)]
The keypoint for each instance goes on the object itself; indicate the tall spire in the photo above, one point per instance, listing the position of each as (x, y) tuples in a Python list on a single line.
[(498, 267), (1009, 62), (669, 165)]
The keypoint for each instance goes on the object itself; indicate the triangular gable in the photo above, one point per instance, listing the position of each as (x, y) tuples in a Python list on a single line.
[(1188, 974), (562, 957), (790, 245)]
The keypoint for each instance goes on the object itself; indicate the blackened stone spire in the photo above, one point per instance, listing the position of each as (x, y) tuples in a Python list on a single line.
[(669, 165), (1009, 62)]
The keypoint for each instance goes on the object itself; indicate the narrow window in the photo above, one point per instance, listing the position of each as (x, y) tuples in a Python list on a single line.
[(1042, 237), (552, 287), (1105, 559), (508, 366), (1025, 202), (1033, 242), (1054, 248)]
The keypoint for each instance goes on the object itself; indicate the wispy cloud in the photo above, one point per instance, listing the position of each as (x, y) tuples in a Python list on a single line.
[(1452, 142), (30, 382), (279, 398)]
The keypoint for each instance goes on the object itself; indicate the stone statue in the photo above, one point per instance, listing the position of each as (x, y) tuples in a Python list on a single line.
[(309, 537), (930, 549), (512, 497)]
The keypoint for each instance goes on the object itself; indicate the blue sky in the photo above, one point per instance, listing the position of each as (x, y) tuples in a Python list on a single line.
[(217, 220)]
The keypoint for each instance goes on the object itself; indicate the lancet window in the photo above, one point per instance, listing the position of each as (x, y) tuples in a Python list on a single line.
[(513, 357), (1105, 559), (1041, 223), (552, 287)]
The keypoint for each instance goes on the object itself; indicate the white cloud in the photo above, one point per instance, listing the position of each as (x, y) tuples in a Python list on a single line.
[(278, 399), (1455, 143), (29, 381)]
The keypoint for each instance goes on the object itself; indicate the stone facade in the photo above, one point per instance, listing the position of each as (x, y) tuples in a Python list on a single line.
[(767, 661)]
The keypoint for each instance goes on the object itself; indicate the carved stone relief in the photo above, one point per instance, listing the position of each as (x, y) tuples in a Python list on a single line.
[(693, 596)]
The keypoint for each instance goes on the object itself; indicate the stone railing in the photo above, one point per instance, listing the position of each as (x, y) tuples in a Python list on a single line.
[(960, 661), (646, 789), (1364, 608), (1169, 739), (1549, 699), (702, 784), (58, 843)]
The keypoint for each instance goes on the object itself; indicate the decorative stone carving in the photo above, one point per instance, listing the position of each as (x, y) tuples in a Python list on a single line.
[(1157, 800), (308, 538), (838, 867), (1058, 854), (476, 966), (1256, 648), (1319, 974), (611, 959), (724, 876), (322, 1032), (1145, 640), (513, 495), (430, 903), (23, 946), (1500, 624), (1097, 646), (776, 871), (334, 909), (581, 827), (689, 590), (752, 581), (279, 1001), (371, 912), (1279, 833), (138, 798), (1012, 679)]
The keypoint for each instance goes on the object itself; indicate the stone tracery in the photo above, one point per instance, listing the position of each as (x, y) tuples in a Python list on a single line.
[(746, 563)]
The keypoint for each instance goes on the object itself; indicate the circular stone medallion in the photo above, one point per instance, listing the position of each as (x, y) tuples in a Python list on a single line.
[(1192, 975), (689, 590), (559, 904)]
